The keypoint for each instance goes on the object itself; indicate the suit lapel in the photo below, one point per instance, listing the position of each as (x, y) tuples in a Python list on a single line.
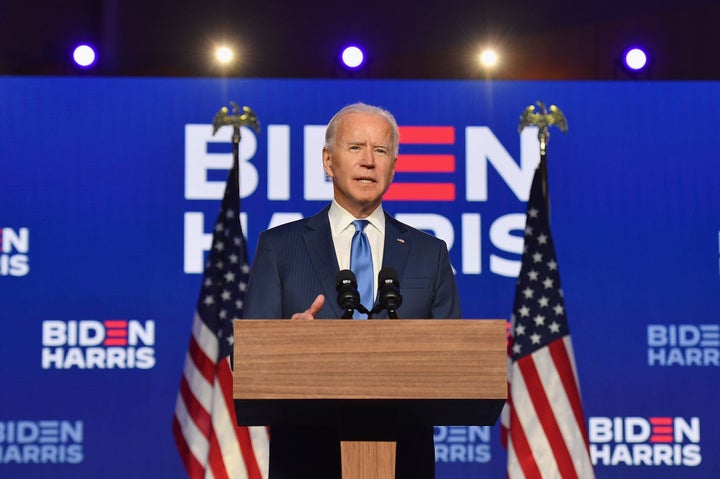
[(321, 251), (397, 245), (397, 250)]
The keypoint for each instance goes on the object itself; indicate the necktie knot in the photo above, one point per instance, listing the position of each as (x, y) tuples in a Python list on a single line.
[(360, 225)]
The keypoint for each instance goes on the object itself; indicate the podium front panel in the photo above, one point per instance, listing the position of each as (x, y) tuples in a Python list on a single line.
[(405, 371)]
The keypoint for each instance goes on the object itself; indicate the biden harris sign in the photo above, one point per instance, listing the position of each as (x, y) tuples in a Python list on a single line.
[(110, 188)]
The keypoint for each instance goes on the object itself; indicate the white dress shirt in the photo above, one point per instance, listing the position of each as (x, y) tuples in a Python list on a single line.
[(343, 229)]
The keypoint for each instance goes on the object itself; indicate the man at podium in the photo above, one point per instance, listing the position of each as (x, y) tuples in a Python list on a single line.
[(295, 266)]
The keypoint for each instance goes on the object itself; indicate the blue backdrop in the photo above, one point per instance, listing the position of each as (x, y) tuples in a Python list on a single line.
[(109, 189)]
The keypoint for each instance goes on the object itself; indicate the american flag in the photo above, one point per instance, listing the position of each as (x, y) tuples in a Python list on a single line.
[(543, 424), (210, 443)]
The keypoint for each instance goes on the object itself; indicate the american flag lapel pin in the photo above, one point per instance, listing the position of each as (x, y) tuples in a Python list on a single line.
[(400, 240)]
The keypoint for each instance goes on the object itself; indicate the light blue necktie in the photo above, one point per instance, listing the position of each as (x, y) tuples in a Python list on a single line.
[(361, 264)]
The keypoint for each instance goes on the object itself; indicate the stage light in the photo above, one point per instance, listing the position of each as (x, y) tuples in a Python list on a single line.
[(224, 55), (488, 58), (84, 56), (352, 57), (635, 59)]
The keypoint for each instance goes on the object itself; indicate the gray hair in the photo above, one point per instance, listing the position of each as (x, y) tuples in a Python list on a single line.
[(360, 107)]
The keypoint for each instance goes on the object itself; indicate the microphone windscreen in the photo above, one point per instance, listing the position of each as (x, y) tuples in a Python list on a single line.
[(344, 277), (389, 275)]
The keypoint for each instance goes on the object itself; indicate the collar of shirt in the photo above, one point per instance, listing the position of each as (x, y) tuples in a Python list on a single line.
[(343, 230)]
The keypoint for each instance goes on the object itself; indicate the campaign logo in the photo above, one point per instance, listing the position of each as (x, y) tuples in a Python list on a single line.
[(14, 248), (113, 343), (430, 170), (645, 441), (41, 442), (462, 444), (424, 162), (683, 344)]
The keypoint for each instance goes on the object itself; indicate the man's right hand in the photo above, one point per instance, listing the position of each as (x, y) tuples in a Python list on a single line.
[(312, 311)]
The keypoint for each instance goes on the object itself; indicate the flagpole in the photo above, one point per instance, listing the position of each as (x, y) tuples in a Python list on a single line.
[(543, 422), (543, 120), (206, 433)]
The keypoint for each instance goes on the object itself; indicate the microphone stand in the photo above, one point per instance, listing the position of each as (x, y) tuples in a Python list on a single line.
[(348, 313), (392, 311)]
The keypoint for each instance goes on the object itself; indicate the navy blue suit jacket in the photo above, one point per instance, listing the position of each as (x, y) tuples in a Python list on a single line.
[(294, 263)]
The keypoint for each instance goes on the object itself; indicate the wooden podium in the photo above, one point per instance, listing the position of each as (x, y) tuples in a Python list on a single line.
[(369, 377)]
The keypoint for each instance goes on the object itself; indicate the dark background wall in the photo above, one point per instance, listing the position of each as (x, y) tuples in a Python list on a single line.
[(562, 39)]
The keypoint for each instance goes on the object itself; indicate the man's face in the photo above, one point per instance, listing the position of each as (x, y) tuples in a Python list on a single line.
[(361, 163)]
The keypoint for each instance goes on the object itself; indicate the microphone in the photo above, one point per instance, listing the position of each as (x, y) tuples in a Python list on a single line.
[(389, 296), (348, 297)]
